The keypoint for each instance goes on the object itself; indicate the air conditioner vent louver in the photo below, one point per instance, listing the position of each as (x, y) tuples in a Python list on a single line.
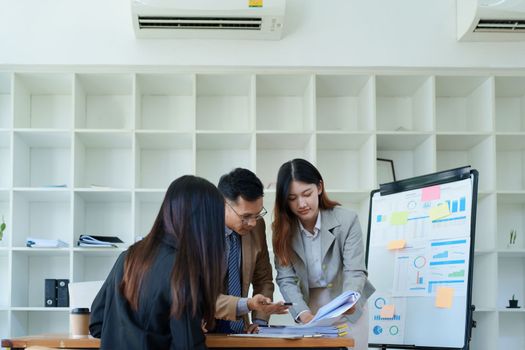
[(233, 23), (500, 26)]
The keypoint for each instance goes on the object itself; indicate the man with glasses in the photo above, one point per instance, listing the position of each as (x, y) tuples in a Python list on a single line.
[(247, 257)]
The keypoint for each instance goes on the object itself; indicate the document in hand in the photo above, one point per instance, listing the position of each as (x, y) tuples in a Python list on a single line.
[(328, 314), (324, 323)]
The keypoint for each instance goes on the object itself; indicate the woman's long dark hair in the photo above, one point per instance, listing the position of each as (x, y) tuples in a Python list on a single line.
[(284, 221), (192, 213)]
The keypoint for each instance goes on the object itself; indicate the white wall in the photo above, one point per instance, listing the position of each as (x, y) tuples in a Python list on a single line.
[(349, 33)]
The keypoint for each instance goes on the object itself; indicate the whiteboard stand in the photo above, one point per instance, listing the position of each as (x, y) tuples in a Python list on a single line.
[(420, 258)]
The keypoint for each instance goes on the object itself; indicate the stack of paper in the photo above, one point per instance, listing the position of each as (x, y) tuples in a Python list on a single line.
[(321, 331), (98, 241), (44, 243), (324, 323)]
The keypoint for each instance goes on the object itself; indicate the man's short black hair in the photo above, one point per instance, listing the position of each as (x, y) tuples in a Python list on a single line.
[(241, 182)]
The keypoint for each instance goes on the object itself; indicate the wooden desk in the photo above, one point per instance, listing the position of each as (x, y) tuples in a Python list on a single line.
[(61, 341)]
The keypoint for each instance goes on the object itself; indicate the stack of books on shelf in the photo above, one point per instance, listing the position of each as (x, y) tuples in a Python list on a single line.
[(98, 241)]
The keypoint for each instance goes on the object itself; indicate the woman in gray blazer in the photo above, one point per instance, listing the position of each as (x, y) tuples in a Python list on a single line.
[(318, 248)]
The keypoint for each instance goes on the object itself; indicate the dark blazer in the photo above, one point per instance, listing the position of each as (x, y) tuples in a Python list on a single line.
[(151, 326)]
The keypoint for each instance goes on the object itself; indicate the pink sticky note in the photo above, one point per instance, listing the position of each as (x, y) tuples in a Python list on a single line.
[(430, 193), (387, 311)]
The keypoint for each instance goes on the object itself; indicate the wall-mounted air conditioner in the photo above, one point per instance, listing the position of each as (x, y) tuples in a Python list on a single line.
[(491, 20), (221, 19)]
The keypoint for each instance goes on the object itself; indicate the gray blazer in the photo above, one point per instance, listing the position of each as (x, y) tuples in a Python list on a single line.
[(343, 258)]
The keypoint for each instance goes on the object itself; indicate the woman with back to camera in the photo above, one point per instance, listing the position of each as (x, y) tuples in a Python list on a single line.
[(318, 248), (162, 288)]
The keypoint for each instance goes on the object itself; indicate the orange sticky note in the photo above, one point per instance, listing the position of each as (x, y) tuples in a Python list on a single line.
[(397, 244), (387, 311), (430, 193), (444, 297)]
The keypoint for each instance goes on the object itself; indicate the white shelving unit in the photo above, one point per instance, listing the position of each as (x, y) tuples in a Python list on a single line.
[(93, 152)]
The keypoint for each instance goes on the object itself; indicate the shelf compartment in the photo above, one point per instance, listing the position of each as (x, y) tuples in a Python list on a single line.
[(511, 209), (510, 165), (285, 103), (413, 154), (103, 214), (104, 101), (42, 159), (511, 327), (147, 207), (41, 214), (455, 151), (344, 103), (4, 275), (357, 201), (165, 102), (275, 149), (93, 264), (103, 159), (5, 159), (6, 120), (24, 323), (171, 152), (486, 223), (218, 154), (464, 104), (224, 102), (510, 104), (485, 284), (4, 324), (404, 103), (30, 269), (485, 335), (511, 280), (346, 161), (43, 101)]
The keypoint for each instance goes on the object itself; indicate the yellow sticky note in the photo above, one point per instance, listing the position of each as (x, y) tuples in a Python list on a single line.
[(399, 218), (255, 3), (397, 244), (439, 212), (387, 311), (444, 297)]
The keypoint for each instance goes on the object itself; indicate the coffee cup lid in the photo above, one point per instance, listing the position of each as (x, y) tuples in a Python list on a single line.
[(80, 310)]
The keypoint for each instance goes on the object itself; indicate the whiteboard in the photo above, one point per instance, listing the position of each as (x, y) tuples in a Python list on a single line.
[(428, 280)]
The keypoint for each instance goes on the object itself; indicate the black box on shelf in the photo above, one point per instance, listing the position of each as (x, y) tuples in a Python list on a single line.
[(50, 293), (62, 293)]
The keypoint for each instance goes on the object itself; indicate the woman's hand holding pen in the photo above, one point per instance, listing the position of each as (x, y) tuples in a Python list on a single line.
[(263, 304)]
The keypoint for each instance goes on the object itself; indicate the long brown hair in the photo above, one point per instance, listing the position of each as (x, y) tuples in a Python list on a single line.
[(192, 215), (285, 222)]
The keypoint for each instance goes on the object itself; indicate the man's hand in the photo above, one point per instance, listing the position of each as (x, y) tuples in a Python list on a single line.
[(263, 304), (306, 317), (253, 328)]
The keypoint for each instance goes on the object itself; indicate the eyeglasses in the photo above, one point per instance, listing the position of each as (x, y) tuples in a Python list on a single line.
[(245, 219)]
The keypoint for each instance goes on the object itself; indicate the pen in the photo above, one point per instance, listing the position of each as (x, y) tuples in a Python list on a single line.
[(287, 303)]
